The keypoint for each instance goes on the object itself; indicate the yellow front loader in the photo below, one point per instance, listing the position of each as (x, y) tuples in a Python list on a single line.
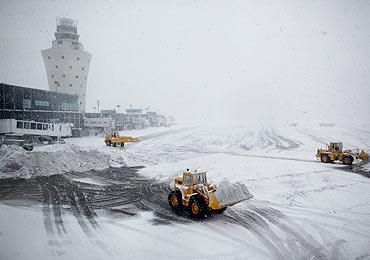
[(113, 138), (335, 152), (192, 192)]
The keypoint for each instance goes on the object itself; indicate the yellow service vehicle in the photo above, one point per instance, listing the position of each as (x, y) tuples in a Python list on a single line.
[(335, 152), (114, 139), (194, 193)]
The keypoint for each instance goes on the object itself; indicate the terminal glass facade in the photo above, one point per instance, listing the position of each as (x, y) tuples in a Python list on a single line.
[(39, 105)]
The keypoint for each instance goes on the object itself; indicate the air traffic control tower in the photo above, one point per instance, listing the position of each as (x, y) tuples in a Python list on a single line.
[(66, 62)]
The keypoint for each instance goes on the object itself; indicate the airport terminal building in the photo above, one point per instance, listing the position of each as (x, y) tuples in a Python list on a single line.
[(42, 106), (30, 104)]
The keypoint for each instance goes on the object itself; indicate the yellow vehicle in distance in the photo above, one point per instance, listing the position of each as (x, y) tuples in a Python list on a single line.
[(113, 139), (335, 152)]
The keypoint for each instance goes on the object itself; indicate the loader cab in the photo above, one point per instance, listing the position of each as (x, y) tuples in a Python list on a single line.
[(335, 146), (114, 134), (190, 179), (200, 178), (187, 179), (192, 183)]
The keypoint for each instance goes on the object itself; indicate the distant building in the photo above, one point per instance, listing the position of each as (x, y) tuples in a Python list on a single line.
[(162, 120), (108, 113), (152, 118), (29, 104), (66, 62), (98, 125), (135, 118)]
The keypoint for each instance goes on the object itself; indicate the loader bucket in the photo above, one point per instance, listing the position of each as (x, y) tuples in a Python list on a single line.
[(363, 156), (228, 194)]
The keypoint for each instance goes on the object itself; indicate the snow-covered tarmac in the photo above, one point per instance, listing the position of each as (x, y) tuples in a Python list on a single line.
[(301, 208)]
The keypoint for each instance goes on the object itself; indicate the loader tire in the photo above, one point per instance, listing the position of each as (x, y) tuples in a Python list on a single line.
[(325, 158), (347, 160), (114, 144), (122, 144), (175, 200), (197, 207), (109, 143)]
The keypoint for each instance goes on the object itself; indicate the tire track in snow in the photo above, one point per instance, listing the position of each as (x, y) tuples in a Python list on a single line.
[(144, 194), (54, 244), (235, 239), (313, 250), (291, 143), (259, 228), (313, 137), (164, 133), (276, 157)]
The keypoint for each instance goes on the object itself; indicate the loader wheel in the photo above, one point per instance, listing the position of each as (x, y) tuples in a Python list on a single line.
[(175, 200), (109, 143), (197, 207), (325, 158), (348, 160), (114, 144), (122, 144)]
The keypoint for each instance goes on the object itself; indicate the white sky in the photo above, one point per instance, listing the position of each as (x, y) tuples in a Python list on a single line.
[(206, 60)]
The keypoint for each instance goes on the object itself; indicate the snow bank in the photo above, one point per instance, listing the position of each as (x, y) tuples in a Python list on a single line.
[(9, 165), (16, 162), (366, 166), (229, 193)]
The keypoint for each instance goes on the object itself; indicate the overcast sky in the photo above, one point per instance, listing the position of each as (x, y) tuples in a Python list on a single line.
[(205, 60)]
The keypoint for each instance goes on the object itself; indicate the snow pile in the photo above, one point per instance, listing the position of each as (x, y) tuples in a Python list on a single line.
[(229, 193), (9, 165), (16, 162), (366, 166)]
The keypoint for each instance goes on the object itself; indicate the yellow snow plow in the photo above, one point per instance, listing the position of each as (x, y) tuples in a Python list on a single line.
[(192, 192), (114, 139)]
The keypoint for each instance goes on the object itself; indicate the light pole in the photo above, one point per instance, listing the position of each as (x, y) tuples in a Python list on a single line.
[(94, 109), (98, 103), (118, 106)]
